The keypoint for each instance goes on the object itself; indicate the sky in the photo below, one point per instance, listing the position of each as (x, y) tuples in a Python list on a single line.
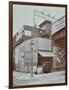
[(24, 15)]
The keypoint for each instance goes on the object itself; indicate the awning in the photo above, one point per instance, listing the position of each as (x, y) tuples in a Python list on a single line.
[(46, 54)]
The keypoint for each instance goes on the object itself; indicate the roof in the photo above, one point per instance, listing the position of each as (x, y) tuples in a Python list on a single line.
[(46, 54), (27, 27), (46, 21)]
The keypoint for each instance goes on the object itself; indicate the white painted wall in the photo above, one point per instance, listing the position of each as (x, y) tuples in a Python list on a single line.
[(25, 47), (30, 55), (44, 44)]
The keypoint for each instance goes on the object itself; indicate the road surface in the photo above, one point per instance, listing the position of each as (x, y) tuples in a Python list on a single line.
[(20, 78)]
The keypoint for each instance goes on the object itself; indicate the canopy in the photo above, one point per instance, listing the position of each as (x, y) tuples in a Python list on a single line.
[(46, 54)]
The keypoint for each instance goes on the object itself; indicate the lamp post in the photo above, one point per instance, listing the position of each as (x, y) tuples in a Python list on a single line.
[(31, 58), (23, 35)]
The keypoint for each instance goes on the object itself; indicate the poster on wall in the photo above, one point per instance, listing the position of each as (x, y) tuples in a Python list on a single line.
[(37, 44)]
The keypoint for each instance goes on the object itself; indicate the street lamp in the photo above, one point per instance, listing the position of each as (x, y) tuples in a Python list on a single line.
[(32, 58)]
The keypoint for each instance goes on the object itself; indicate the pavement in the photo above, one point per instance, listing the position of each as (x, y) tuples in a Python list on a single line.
[(20, 78)]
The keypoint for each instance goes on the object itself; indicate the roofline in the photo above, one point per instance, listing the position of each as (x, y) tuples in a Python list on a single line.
[(44, 22), (58, 19), (58, 31)]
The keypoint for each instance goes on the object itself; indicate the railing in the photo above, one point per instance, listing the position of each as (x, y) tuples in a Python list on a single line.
[(58, 25)]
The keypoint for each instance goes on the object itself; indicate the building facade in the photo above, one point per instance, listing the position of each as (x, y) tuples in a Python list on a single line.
[(59, 43), (42, 47)]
